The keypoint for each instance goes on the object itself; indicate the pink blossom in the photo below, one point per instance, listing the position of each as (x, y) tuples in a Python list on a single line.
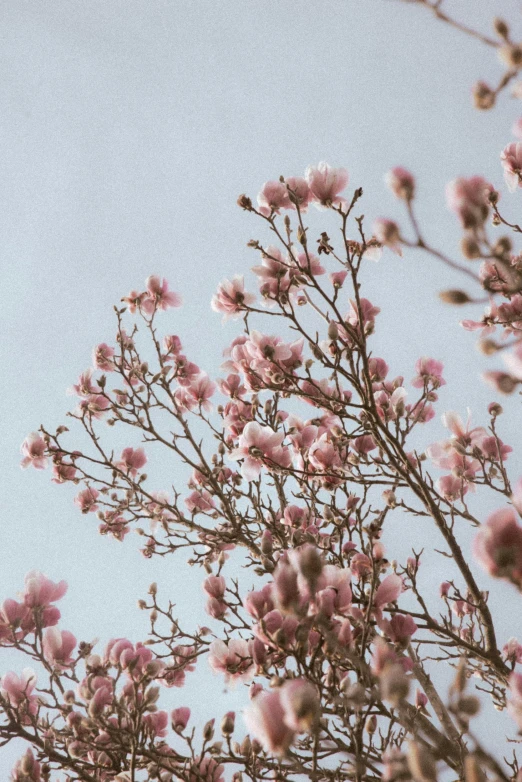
[(388, 234), (399, 628), (300, 701), (179, 718), (232, 386), (511, 158), (172, 346), (215, 586), (134, 300), (265, 719), (498, 546), (200, 501), (310, 264), (260, 446), (334, 583), (388, 590), (429, 372), (468, 199), (206, 770), (366, 312), (16, 619), (378, 369), (86, 500), (18, 691), (451, 488), (233, 659), (33, 450), (298, 192), (231, 299), (102, 357), (131, 460), (94, 406), (273, 622), (273, 197), (401, 183), (39, 591), (63, 472), (156, 724), (158, 296), (364, 444), (201, 390), (27, 769), (84, 387), (512, 651), (259, 603), (58, 646), (326, 183), (337, 279), (285, 587)]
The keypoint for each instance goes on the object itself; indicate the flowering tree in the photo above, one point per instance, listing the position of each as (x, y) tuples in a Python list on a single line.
[(297, 458)]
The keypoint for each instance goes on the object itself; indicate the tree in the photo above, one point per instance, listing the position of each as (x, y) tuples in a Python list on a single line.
[(297, 459)]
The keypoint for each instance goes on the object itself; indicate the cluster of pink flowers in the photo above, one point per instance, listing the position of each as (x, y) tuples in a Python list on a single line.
[(468, 198), (156, 296), (465, 454), (275, 717), (321, 185)]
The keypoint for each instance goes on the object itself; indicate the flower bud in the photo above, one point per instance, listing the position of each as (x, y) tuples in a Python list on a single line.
[(267, 546), (454, 297), (468, 705), (483, 96), (208, 730), (333, 331), (511, 55), (488, 346), (469, 248), (395, 685), (371, 724), (495, 409), (500, 27), (503, 246), (228, 723), (244, 202)]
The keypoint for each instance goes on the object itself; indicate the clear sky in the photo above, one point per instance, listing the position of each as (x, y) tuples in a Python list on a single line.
[(128, 128)]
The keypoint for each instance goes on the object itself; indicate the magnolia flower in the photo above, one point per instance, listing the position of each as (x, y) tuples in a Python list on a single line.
[(58, 646), (233, 659), (158, 296), (260, 446), (468, 199), (388, 234), (18, 690), (498, 546), (265, 719), (326, 183), (39, 591), (131, 461), (511, 158), (401, 183), (33, 450), (231, 298)]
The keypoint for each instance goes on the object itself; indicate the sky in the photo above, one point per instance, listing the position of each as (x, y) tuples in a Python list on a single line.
[(128, 128)]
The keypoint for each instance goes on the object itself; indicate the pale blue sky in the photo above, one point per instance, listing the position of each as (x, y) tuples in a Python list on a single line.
[(127, 131)]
